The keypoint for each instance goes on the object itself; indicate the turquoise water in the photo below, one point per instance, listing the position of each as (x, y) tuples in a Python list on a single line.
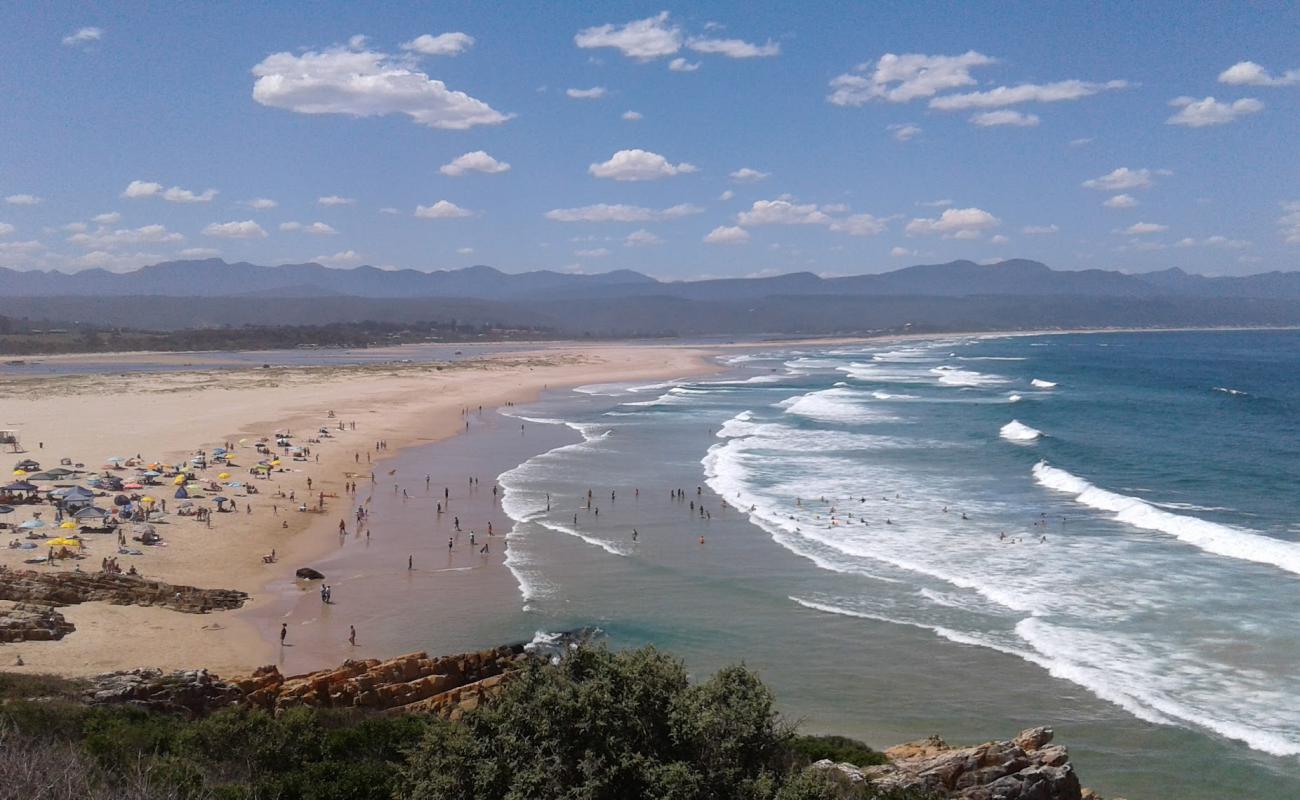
[(962, 535)]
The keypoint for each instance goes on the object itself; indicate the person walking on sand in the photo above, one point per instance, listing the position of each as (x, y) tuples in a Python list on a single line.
[(284, 631), (450, 544), (352, 635), (410, 563)]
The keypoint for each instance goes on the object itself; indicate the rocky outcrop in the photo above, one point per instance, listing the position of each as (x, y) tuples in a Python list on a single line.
[(194, 692), (25, 622), (308, 574), (71, 588), (1027, 767)]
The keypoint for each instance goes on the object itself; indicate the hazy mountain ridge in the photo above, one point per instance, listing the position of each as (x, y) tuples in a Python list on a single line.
[(1016, 277)]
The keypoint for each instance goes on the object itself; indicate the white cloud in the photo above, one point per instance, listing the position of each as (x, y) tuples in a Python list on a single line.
[(1121, 201), (290, 226), (178, 195), (604, 212), (247, 229), (643, 39), (345, 258), (735, 48), (107, 218), (631, 116), (199, 252), (1216, 241), (1289, 222), (141, 189), (76, 227), (319, 229), (114, 262), (943, 203), (261, 203), (364, 83), (83, 36), (986, 119), (137, 189), (748, 175), (1039, 230), (901, 252), (477, 161), (594, 93), (12, 250), (782, 212), (900, 78), (1248, 73), (724, 234), (442, 210), (595, 252), (22, 200), (641, 238), (444, 44), (638, 165), (904, 133), (1145, 228), (1195, 113), (106, 238), (335, 200), (726, 195), (1024, 93), (955, 223), (1120, 179), (999, 239), (682, 65), (859, 225), (6, 229), (465, 251)]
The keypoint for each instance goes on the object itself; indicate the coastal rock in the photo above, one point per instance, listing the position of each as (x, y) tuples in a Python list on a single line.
[(24, 622), (1024, 768), (193, 692), (308, 574), (71, 588)]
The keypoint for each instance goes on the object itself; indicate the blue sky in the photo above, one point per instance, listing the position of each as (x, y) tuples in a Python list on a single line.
[(837, 138)]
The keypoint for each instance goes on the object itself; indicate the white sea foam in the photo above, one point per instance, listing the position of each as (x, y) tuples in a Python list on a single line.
[(1234, 392), (879, 395), (1038, 383), (952, 376), (836, 404), (1212, 537), (1020, 433), (1014, 398)]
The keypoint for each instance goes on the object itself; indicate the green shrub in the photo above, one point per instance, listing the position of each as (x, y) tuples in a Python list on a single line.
[(840, 749)]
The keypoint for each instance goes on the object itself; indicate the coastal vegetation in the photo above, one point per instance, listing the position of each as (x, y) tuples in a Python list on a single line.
[(599, 724)]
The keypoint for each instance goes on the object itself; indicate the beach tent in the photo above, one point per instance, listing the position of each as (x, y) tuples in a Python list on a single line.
[(19, 486), (27, 465), (181, 494), (89, 514)]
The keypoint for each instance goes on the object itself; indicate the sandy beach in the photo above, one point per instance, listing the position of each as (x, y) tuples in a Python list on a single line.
[(167, 416)]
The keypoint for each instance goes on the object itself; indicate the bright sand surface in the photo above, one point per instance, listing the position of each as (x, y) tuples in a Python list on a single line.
[(167, 416)]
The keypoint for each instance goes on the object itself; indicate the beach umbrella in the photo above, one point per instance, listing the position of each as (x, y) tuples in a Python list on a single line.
[(69, 525), (180, 479), (235, 484), (121, 500), (20, 473), (114, 460), (6, 510), (63, 541), (32, 524), (224, 475), (147, 500), (132, 486), (152, 474)]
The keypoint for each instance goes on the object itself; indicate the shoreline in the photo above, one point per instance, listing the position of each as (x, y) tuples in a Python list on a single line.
[(178, 412)]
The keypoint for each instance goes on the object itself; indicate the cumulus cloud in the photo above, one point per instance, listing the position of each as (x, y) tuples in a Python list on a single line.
[(735, 48), (476, 161), (954, 223), (178, 195), (999, 239), (1121, 201), (22, 200), (782, 212), (748, 175), (638, 165), (1024, 93), (137, 189), (1248, 73), (364, 83), (290, 226), (986, 119), (904, 133), (682, 65), (261, 203), (319, 229), (631, 116), (1216, 241), (641, 238), (726, 195), (941, 203), (1120, 179), (6, 229), (465, 251), (106, 238), (199, 252), (247, 229), (345, 258), (859, 225), (1039, 230), (442, 209), (444, 44), (1195, 113), (594, 93), (107, 218), (1145, 228), (335, 200), (900, 78), (83, 36), (901, 252), (595, 252), (604, 212), (1289, 222), (724, 234), (643, 39)]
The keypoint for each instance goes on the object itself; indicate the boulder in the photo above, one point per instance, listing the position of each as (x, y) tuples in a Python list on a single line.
[(71, 588), (26, 622), (308, 574)]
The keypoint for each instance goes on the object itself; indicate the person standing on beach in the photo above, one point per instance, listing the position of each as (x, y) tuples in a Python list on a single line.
[(284, 631), (352, 635), (410, 563), (450, 543)]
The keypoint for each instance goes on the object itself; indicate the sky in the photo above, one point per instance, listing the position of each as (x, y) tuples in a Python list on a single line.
[(708, 139)]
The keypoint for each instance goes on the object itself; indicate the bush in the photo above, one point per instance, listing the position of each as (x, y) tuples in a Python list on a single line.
[(840, 749)]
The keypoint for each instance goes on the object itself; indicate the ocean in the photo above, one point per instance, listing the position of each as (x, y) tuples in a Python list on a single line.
[(961, 535)]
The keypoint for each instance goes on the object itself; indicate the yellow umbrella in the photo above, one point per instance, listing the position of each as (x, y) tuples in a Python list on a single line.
[(180, 479), (275, 463), (69, 525), (224, 475), (18, 473), (63, 541), (147, 500)]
